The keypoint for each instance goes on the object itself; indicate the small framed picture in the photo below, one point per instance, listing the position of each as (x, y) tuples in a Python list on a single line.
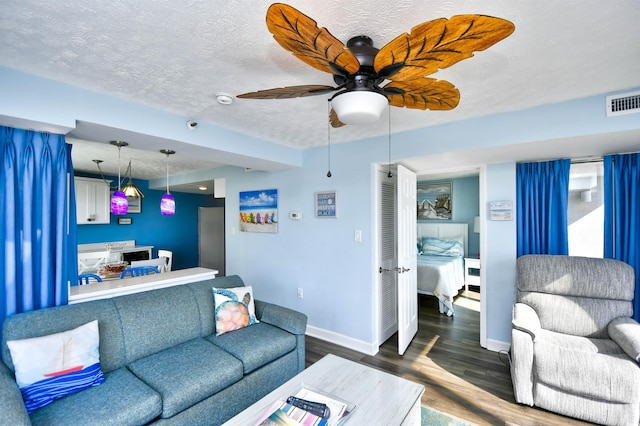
[(501, 210), (327, 204), (135, 204), (124, 221)]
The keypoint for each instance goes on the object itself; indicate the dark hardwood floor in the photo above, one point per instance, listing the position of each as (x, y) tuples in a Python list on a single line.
[(460, 377)]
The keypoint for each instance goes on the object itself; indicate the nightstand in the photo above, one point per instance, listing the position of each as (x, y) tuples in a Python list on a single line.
[(471, 279)]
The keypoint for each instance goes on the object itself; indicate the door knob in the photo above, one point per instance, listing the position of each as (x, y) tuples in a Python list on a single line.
[(381, 270)]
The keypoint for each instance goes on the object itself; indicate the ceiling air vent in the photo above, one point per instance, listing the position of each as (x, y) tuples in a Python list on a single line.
[(624, 103)]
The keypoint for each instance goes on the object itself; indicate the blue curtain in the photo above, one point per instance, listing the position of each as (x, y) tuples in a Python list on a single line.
[(622, 214), (38, 221), (542, 194)]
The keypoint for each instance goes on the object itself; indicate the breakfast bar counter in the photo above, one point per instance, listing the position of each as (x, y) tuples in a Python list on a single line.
[(113, 288)]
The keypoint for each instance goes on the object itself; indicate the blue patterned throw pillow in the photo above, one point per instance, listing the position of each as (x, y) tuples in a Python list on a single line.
[(50, 367)]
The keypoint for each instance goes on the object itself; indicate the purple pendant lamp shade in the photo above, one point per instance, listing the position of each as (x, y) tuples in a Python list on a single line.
[(119, 203), (168, 203)]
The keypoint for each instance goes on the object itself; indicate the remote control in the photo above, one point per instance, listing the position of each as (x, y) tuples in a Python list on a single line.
[(317, 408)]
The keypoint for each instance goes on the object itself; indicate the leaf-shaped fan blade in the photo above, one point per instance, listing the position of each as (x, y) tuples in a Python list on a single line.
[(315, 46), (440, 43), (424, 93), (289, 92), (334, 120)]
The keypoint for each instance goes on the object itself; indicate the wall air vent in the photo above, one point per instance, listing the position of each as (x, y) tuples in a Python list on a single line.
[(624, 103)]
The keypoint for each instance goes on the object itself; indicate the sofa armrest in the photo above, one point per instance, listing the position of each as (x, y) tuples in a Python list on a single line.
[(287, 319), (526, 319), (626, 333), (11, 403)]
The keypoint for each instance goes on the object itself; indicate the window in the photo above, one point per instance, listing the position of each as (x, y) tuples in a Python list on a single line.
[(585, 212)]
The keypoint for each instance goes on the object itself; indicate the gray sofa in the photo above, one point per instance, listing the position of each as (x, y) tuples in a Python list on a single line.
[(574, 347), (161, 359)]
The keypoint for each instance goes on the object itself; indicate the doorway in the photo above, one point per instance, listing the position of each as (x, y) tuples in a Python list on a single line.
[(211, 242), (387, 246)]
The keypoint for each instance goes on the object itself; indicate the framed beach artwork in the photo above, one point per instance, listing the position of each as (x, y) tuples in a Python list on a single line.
[(259, 211), (434, 201), (501, 210)]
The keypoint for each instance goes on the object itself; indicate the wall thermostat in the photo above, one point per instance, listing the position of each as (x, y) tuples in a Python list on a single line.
[(295, 215)]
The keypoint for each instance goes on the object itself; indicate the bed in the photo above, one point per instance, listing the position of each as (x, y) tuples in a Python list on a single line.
[(441, 252)]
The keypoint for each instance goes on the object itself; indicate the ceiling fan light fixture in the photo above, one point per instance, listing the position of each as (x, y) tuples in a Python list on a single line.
[(359, 106)]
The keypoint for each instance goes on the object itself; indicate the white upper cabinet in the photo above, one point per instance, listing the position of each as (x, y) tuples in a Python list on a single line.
[(92, 201)]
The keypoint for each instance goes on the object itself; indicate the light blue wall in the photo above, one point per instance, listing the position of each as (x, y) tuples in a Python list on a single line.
[(320, 256), (499, 263), (465, 199), (178, 233)]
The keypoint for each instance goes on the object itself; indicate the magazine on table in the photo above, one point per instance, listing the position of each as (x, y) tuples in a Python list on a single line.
[(282, 413)]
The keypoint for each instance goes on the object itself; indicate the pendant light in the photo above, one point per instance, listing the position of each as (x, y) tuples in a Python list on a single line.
[(130, 189), (167, 204), (119, 203)]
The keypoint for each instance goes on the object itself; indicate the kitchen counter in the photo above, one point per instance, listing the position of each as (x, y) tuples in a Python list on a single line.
[(92, 256), (113, 288)]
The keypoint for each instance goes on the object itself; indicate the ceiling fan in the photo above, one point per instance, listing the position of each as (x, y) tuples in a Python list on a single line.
[(367, 78)]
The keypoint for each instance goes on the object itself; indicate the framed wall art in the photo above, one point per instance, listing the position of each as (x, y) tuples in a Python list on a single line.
[(259, 211), (327, 204), (501, 210), (434, 201)]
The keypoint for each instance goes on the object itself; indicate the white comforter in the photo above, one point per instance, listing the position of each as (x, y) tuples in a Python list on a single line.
[(442, 277)]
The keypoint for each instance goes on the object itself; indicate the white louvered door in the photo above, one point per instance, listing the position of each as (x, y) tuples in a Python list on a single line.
[(387, 260)]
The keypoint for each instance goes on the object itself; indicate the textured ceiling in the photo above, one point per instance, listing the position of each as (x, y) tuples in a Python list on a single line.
[(177, 56)]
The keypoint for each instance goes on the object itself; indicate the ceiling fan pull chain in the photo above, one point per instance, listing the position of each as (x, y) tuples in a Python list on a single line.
[(389, 175), (329, 138)]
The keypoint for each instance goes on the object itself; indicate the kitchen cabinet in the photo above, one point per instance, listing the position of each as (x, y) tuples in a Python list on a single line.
[(92, 201)]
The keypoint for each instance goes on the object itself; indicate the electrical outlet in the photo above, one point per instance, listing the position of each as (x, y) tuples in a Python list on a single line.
[(300, 295)]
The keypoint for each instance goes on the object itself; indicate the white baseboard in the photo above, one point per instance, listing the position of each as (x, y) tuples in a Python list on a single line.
[(342, 340), (371, 348), (498, 346)]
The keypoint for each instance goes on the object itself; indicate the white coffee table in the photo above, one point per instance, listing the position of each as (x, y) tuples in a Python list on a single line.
[(380, 398)]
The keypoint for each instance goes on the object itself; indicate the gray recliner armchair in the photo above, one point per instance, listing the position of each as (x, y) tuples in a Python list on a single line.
[(574, 347)]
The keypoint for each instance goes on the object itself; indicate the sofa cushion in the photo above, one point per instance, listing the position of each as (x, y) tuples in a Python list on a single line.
[(156, 320), (234, 308), (583, 344), (187, 373), (52, 366), (608, 377), (242, 344), (121, 400)]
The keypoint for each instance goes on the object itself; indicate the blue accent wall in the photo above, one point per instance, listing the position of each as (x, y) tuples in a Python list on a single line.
[(178, 233), (465, 206)]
